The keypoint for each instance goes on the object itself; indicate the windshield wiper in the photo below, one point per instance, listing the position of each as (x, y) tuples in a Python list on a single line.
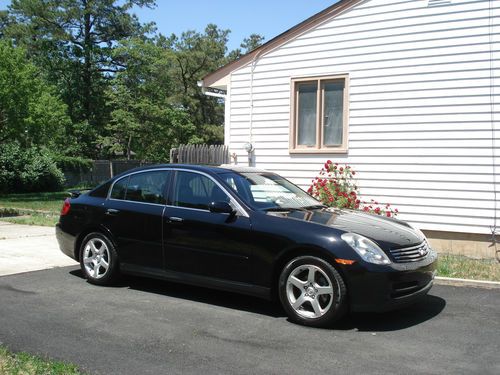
[(314, 207), (279, 209)]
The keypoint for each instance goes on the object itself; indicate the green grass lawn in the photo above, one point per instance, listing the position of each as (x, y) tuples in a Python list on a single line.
[(467, 268), (32, 208), (51, 202), (27, 364)]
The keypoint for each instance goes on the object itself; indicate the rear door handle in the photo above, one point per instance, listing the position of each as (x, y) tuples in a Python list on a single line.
[(112, 211), (175, 219)]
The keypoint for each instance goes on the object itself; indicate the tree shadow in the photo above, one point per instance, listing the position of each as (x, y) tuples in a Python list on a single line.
[(423, 310)]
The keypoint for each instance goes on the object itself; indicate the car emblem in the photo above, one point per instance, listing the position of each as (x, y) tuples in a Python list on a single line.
[(422, 252)]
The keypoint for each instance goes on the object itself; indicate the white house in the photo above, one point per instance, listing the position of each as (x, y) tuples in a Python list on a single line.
[(407, 92)]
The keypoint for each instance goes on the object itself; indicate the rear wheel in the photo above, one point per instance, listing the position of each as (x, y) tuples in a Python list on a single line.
[(312, 291), (98, 259)]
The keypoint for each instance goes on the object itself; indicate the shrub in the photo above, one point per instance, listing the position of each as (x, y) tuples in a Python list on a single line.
[(335, 187), (73, 163), (28, 170)]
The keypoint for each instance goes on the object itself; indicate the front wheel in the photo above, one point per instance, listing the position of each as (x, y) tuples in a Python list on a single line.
[(98, 259), (312, 292)]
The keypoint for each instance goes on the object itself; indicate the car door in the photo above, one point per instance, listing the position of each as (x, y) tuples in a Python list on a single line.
[(201, 242), (134, 212)]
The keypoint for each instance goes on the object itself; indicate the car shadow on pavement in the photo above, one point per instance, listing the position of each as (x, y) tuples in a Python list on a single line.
[(198, 294), (425, 309)]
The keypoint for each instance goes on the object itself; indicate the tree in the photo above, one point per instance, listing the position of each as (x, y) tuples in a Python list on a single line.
[(31, 113), (75, 40), (4, 21), (252, 42), (194, 56), (142, 119), (248, 45)]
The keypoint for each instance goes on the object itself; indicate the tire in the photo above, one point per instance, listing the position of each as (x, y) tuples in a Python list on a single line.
[(312, 292), (98, 259)]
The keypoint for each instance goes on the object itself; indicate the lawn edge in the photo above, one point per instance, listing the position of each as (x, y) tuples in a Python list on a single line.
[(441, 280)]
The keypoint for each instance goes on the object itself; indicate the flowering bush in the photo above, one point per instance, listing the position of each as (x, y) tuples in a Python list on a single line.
[(335, 187)]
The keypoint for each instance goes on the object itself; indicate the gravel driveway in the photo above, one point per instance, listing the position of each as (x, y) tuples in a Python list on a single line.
[(152, 327)]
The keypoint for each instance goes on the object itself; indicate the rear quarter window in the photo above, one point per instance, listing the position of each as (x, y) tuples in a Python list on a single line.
[(101, 191)]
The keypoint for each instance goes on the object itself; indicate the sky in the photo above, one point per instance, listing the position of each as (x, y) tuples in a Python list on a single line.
[(268, 18)]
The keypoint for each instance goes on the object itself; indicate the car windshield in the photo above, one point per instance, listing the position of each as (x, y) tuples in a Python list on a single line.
[(269, 191)]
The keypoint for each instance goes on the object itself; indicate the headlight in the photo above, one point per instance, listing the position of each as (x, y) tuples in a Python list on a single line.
[(366, 248)]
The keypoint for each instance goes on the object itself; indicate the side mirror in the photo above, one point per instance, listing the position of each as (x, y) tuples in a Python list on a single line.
[(221, 208)]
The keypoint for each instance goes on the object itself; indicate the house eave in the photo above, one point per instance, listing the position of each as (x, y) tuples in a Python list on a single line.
[(220, 78)]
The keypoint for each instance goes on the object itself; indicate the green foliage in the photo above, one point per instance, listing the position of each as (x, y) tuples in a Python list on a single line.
[(74, 40), (252, 42), (31, 113), (72, 163), (126, 89), (28, 170), (195, 55)]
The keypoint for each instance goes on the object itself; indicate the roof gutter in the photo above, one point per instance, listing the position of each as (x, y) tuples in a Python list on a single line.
[(211, 92)]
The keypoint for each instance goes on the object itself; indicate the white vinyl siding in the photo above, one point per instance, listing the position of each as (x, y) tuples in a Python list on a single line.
[(424, 88)]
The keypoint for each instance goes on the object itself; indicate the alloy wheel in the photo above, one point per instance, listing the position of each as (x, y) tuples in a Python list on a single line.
[(96, 258), (309, 291)]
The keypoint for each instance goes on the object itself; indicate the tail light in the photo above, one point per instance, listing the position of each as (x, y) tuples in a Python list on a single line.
[(66, 207)]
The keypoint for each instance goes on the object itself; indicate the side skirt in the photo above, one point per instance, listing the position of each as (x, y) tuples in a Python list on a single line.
[(197, 280)]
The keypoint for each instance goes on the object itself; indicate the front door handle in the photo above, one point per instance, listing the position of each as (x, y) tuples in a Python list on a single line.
[(175, 219), (112, 211)]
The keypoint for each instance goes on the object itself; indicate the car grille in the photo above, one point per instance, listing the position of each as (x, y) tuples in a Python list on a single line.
[(410, 254)]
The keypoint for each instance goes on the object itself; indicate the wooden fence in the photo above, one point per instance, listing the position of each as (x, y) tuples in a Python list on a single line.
[(200, 154)]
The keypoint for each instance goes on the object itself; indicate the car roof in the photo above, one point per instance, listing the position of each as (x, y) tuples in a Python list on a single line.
[(202, 168)]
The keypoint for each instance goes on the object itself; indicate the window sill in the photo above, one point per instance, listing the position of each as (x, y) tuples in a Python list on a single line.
[(318, 151)]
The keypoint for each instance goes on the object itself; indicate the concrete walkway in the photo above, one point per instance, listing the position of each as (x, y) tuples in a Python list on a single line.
[(25, 248)]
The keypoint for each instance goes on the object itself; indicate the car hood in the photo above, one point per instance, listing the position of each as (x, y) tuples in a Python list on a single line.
[(388, 233)]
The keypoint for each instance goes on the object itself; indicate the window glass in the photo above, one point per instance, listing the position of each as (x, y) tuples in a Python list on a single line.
[(194, 190), (307, 105), (268, 191), (333, 113), (319, 121), (119, 188), (148, 187), (101, 191)]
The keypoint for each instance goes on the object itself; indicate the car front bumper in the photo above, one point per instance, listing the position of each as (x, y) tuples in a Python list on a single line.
[(383, 288)]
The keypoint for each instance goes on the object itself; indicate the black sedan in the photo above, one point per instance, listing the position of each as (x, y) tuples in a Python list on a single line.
[(249, 231)]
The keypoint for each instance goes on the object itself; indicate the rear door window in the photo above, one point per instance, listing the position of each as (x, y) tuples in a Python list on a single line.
[(146, 187)]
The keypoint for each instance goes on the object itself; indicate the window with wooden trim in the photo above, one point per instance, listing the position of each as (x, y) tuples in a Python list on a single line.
[(319, 115)]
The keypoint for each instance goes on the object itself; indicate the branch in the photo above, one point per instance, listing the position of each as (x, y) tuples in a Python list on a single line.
[(109, 70)]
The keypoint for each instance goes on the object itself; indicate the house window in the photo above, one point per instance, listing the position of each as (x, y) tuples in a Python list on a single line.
[(319, 115)]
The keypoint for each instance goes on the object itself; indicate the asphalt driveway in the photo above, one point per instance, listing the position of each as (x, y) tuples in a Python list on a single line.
[(152, 327)]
